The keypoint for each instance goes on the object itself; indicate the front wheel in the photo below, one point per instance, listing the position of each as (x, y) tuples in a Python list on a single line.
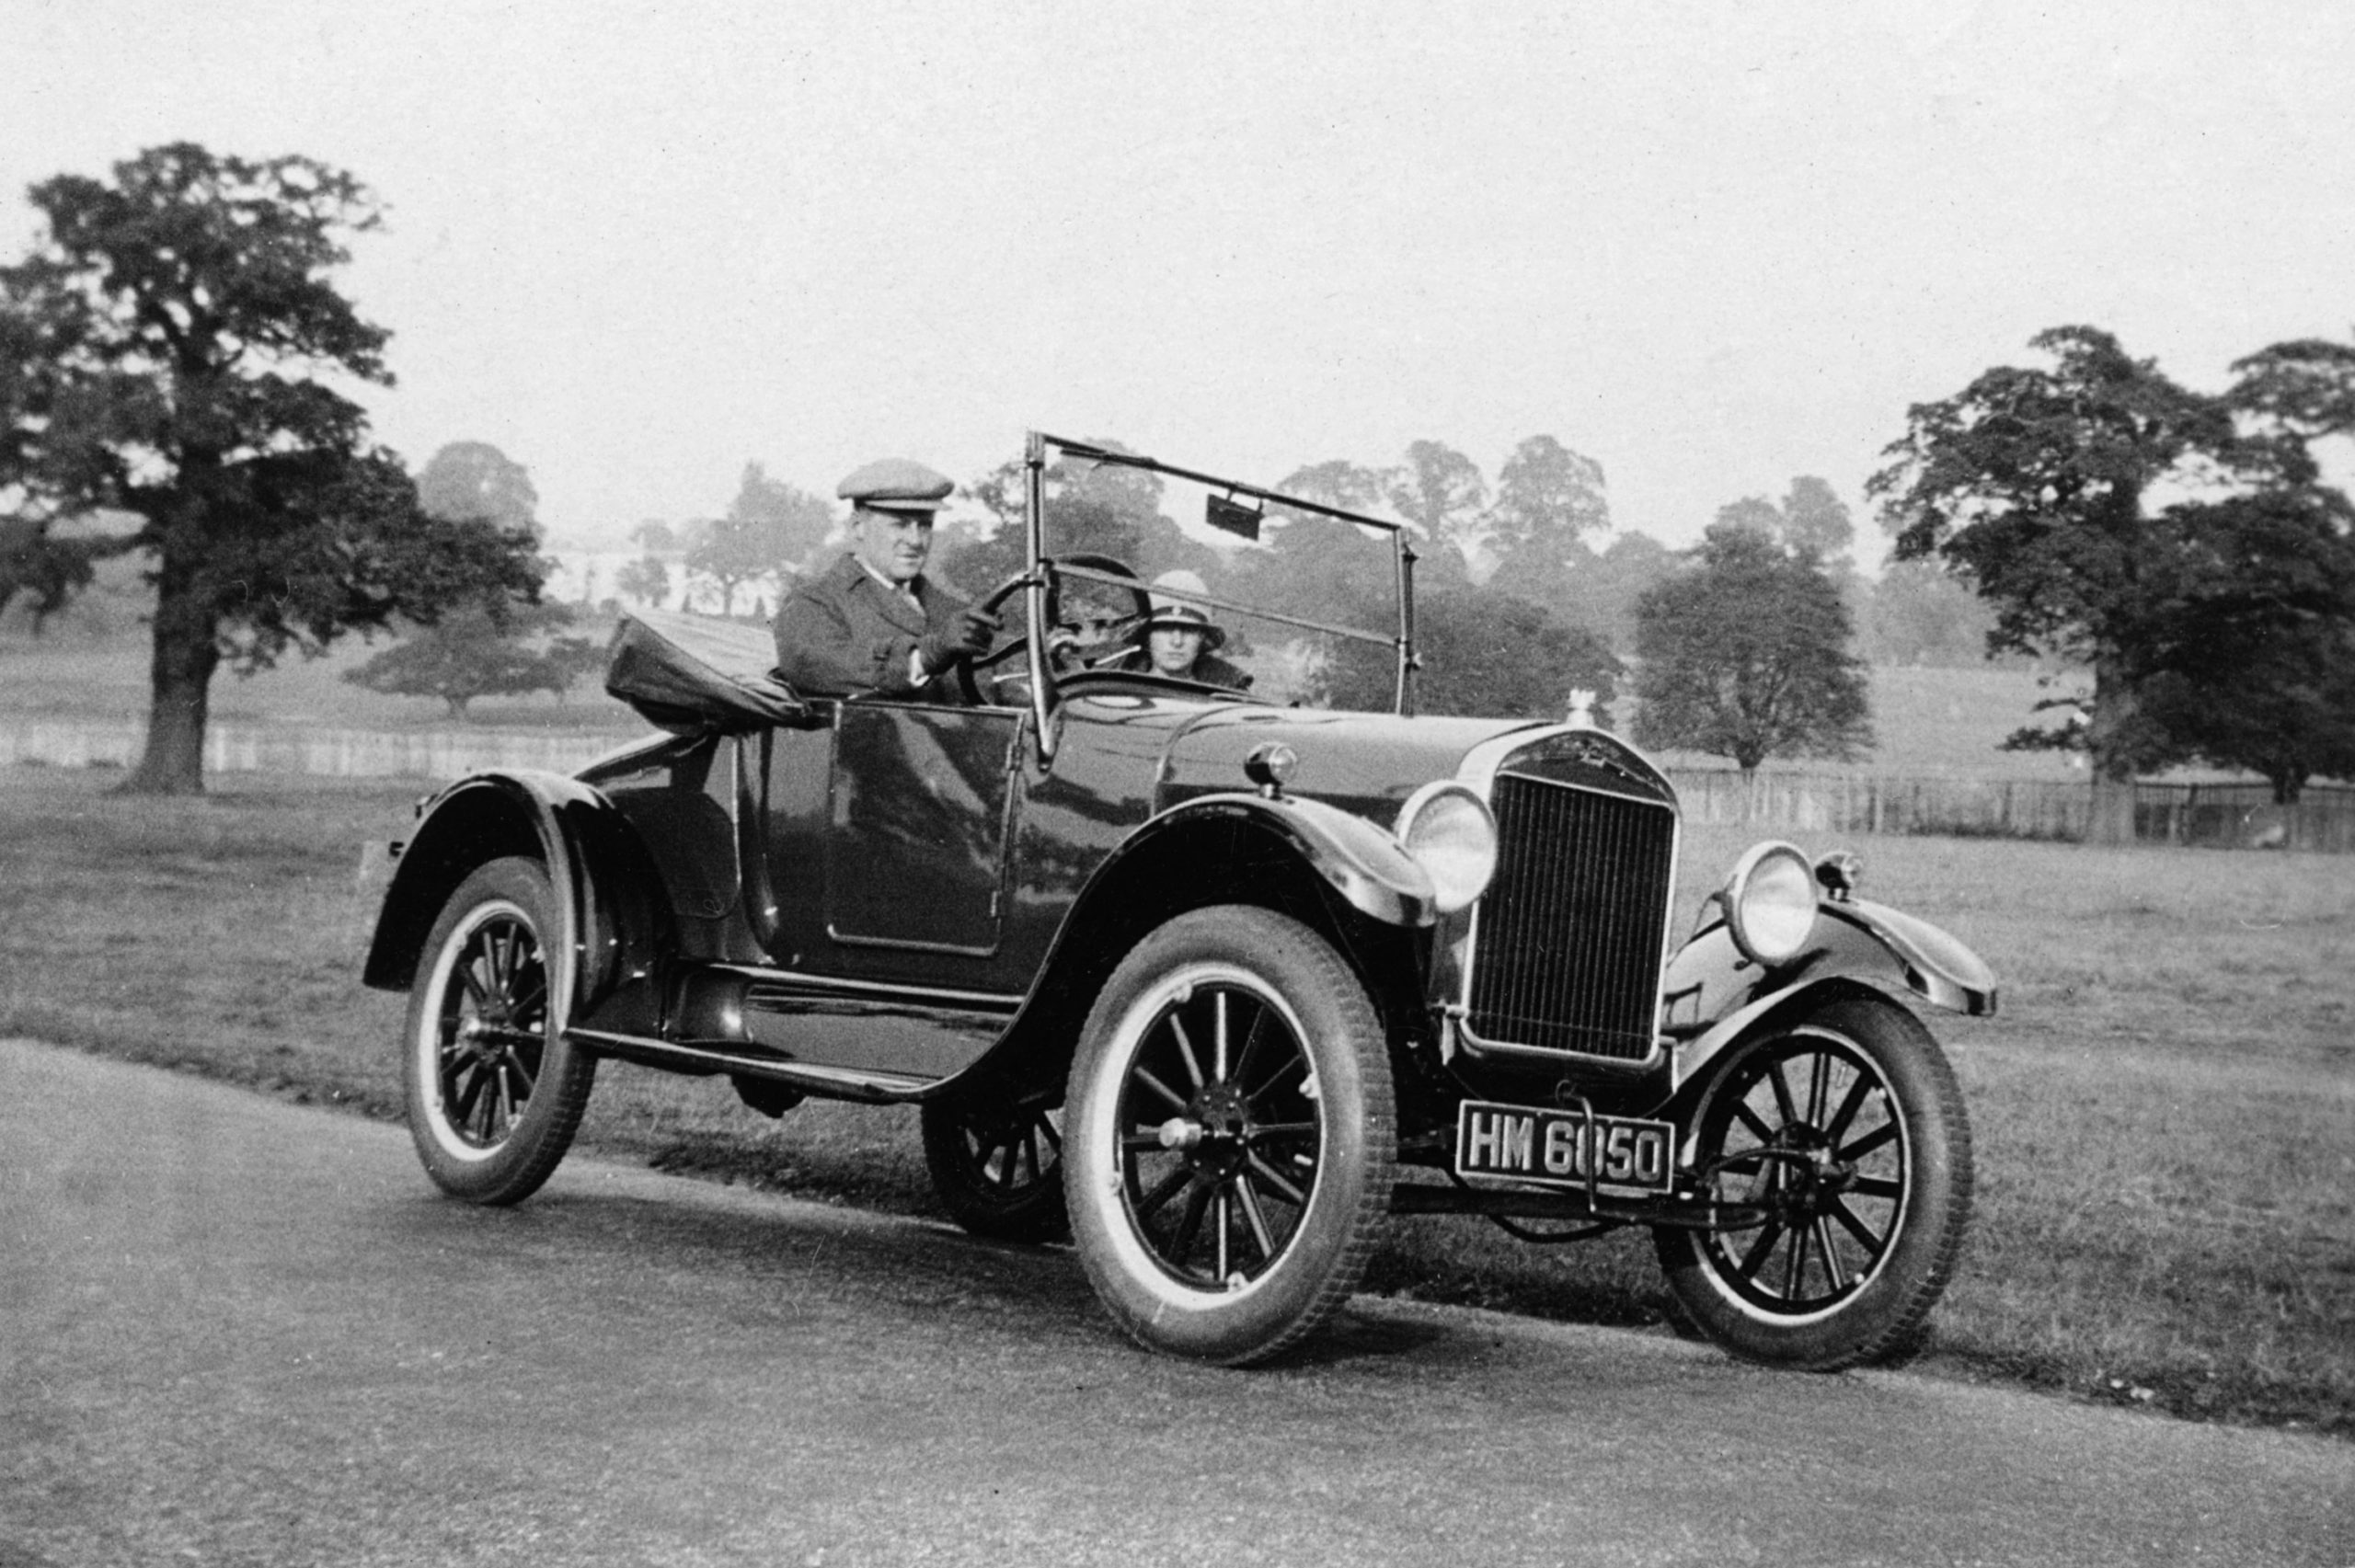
[(1231, 1138), (1842, 1129), (494, 1090)]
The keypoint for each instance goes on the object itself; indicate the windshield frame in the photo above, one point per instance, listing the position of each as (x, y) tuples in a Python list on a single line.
[(1039, 566)]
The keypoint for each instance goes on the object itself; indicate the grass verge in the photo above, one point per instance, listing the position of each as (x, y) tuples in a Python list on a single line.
[(2164, 1112)]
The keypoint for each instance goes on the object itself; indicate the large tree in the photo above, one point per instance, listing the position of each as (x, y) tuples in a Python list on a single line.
[(167, 347), (1744, 654), (2254, 667), (1445, 496), (2038, 484), (1548, 499)]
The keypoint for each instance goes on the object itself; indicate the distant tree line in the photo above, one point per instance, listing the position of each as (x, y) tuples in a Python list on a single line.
[(1525, 597)]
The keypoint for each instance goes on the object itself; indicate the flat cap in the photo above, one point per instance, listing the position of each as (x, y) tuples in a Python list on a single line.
[(896, 484)]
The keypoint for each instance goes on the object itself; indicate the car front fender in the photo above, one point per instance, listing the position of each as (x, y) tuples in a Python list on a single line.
[(1363, 863), (595, 864), (1711, 995)]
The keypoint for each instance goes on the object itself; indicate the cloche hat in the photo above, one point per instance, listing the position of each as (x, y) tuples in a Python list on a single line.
[(1169, 610)]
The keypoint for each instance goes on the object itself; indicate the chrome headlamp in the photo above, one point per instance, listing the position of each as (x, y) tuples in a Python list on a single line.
[(1770, 903), (1447, 830)]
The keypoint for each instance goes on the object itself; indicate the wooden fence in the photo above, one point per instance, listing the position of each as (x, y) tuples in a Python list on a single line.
[(2242, 816), (2220, 816), (348, 753), (1869, 803), (2226, 816)]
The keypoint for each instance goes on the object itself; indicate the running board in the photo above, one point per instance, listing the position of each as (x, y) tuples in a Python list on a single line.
[(872, 1087)]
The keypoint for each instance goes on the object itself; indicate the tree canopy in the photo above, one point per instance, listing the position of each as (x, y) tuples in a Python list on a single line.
[(1744, 654), (476, 480), (2034, 482), (166, 348), (1445, 496), (1483, 653), (2117, 519), (2254, 665)]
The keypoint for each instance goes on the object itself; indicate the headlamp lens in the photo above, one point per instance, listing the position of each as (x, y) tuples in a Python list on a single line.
[(1448, 831), (1770, 903)]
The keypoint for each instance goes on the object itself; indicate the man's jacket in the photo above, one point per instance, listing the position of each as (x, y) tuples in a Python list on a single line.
[(845, 632)]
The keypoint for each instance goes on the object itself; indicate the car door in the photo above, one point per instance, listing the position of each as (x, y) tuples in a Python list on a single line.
[(919, 809)]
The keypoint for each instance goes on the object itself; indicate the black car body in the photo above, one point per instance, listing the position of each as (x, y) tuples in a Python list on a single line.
[(1219, 985)]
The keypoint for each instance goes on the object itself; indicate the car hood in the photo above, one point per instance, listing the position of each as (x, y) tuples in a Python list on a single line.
[(1366, 764)]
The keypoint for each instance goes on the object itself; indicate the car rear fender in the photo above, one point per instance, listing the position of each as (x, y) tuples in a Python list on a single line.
[(595, 861), (1711, 995)]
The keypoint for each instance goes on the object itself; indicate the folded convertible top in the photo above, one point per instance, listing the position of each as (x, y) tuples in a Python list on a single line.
[(691, 673)]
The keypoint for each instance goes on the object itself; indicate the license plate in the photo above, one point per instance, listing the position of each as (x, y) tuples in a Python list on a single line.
[(1562, 1148)]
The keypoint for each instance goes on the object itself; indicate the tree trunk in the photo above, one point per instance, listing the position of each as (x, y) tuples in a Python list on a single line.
[(187, 651), (2112, 821), (2109, 730)]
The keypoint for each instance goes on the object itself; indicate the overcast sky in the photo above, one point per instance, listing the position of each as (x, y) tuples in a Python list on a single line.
[(635, 245)]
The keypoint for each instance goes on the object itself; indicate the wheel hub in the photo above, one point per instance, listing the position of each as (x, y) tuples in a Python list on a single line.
[(1215, 1134), (1807, 1177), (1218, 1109), (488, 1037)]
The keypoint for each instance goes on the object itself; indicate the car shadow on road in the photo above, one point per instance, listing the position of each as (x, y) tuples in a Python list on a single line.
[(929, 1276)]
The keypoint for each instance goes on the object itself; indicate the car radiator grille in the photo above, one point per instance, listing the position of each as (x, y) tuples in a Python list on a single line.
[(1567, 946)]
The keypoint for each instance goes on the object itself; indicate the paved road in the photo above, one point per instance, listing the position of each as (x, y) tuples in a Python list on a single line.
[(235, 1331)]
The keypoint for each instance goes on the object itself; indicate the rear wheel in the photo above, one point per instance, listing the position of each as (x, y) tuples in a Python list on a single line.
[(494, 1091), (1230, 1140), (996, 1165), (1842, 1126)]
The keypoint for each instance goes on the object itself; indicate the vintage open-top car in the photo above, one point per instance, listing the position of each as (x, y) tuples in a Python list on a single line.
[(1215, 984)]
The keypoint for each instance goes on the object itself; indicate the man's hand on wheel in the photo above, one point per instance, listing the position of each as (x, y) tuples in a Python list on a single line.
[(971, 632)]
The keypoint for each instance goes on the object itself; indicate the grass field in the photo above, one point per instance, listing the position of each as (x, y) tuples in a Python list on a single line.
[(2165, 1109), (70, 674)]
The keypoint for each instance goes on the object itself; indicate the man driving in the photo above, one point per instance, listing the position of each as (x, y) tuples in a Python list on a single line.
[(873, 622)]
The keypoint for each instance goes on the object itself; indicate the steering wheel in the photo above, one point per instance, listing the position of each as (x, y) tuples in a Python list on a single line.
[(1067, 637)]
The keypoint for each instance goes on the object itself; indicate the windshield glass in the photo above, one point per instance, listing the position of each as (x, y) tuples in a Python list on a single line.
[(1178, 577)]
